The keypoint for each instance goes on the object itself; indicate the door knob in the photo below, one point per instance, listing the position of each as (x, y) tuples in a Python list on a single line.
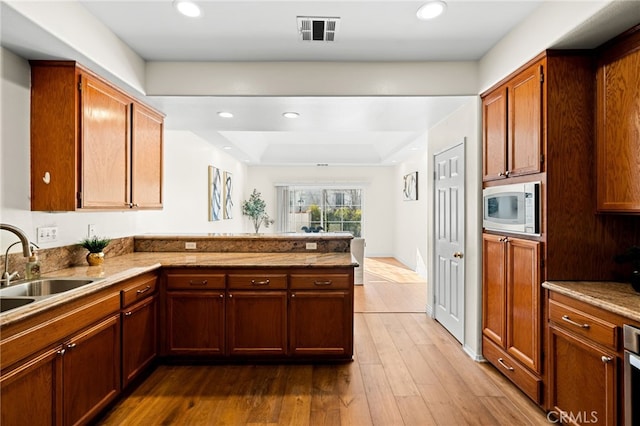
[(458, 255)]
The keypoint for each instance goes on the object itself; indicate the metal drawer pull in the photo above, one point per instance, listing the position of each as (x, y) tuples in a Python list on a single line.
[(606, 359), (501, 361), (265, 282), (192, 282), (577, 324), (329, 282), (144, 290)]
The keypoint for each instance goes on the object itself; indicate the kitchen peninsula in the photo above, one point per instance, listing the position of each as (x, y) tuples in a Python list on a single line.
[(288, 304)]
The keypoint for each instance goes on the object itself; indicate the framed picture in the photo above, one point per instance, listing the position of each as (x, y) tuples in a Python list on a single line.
[(410, 190), (215, 194), (228, 195)]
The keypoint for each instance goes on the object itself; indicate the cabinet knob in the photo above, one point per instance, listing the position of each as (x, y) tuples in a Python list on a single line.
[(221, 295), (128, 314), (71, 345), (606, 359), (61, 352), (458, 255)]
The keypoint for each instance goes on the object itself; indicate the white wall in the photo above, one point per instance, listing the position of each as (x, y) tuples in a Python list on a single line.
[(380, 194), (186, 158), (464, 124), (410, 235)]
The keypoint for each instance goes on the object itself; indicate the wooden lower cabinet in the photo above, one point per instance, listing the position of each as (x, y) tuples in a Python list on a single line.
[(582, 381), (91, 371), (321, 323), (257, 323), (512, 313), (139, 338), (68, 384), (32, 393), (195, 323)]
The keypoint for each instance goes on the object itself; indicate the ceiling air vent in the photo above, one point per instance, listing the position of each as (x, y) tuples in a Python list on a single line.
[(314, 28)]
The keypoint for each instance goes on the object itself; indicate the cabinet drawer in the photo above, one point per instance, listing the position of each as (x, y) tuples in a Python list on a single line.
[(520, 376), (320, 281), (582, 323), (138, 290), (195, 281), (257, 281)]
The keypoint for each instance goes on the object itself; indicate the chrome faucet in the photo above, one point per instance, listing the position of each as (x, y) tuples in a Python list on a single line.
[(26, 251)]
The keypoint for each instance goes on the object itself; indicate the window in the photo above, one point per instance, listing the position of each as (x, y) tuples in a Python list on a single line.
[(309, 209)]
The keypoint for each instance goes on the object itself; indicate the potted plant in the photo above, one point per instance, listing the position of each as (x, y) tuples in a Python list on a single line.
[(95, 245), (256, 208), (632, 255)]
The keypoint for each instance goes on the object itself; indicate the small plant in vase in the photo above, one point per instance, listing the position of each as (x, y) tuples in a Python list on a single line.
[(256, 208), (95, 246), (632, 255)]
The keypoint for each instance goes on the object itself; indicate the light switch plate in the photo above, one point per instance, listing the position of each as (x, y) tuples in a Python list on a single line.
[(47, 234), (91, 231), (190, 246)]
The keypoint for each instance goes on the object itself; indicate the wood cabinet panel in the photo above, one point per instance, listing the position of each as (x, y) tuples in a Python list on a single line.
[(580, 322), (618, 126), (147, 143), (139, 338), (257, 279), (257, 323), (190, 281), (32, 393), (320, 281), (139, 288), (494, 128), (105, 155), (91, 371), (195, 323), (494, 276), (321, 323), (524, 303), (524, 143), (582, 379)]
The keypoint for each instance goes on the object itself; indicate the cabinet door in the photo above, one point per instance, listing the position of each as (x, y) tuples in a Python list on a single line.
[(618, 131), (146, 171), (582, 380), (91, 371), (493, 288), (320, 323), (31, 394), (494, 135), (195, 323), (524, 147), (105, 146), (257, 323), (139, 341), (523, 302)]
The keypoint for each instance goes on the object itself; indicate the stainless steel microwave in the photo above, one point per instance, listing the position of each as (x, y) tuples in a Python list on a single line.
[(512, 208)]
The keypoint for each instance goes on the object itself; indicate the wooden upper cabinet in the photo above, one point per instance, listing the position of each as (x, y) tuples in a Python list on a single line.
[(105, 145), (146, 185), (512, 125), (494, 133), (92, 145), (618, 125)]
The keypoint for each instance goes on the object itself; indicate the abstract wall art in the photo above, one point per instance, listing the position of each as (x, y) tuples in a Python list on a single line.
[(228, 195), (410, 189), (215, 194)]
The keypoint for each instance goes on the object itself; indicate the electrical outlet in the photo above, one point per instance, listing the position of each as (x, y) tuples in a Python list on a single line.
[(312, 246), (91, 232), (190, 246), (47, 234)]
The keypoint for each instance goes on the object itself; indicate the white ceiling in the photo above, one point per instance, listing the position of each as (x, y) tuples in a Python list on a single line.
[(334, 130)]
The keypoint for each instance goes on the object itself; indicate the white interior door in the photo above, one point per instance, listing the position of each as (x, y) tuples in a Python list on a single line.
[(449, 240)]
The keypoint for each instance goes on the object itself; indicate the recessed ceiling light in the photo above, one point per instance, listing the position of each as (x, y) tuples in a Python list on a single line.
[(225, 114), (227, 147), (187, 8), (291, 114), (431, 10)]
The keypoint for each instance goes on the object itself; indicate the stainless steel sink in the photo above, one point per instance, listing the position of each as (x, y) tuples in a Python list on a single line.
[(7, 303), (43, 287)]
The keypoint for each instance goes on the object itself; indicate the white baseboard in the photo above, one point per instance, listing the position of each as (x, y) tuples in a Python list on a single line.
[(474, 356)]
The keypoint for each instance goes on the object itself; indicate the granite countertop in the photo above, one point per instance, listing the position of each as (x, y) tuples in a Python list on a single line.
[(116, 269), (619, 298), (251, 236)]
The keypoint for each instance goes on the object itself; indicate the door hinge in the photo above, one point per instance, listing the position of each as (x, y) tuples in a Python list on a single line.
[(80, 84), (541, 158), (541, 74), (542, 263), (79, 197), (435, 175)]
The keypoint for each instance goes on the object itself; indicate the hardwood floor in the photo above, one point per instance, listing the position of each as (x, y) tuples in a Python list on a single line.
[(407, 370)]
